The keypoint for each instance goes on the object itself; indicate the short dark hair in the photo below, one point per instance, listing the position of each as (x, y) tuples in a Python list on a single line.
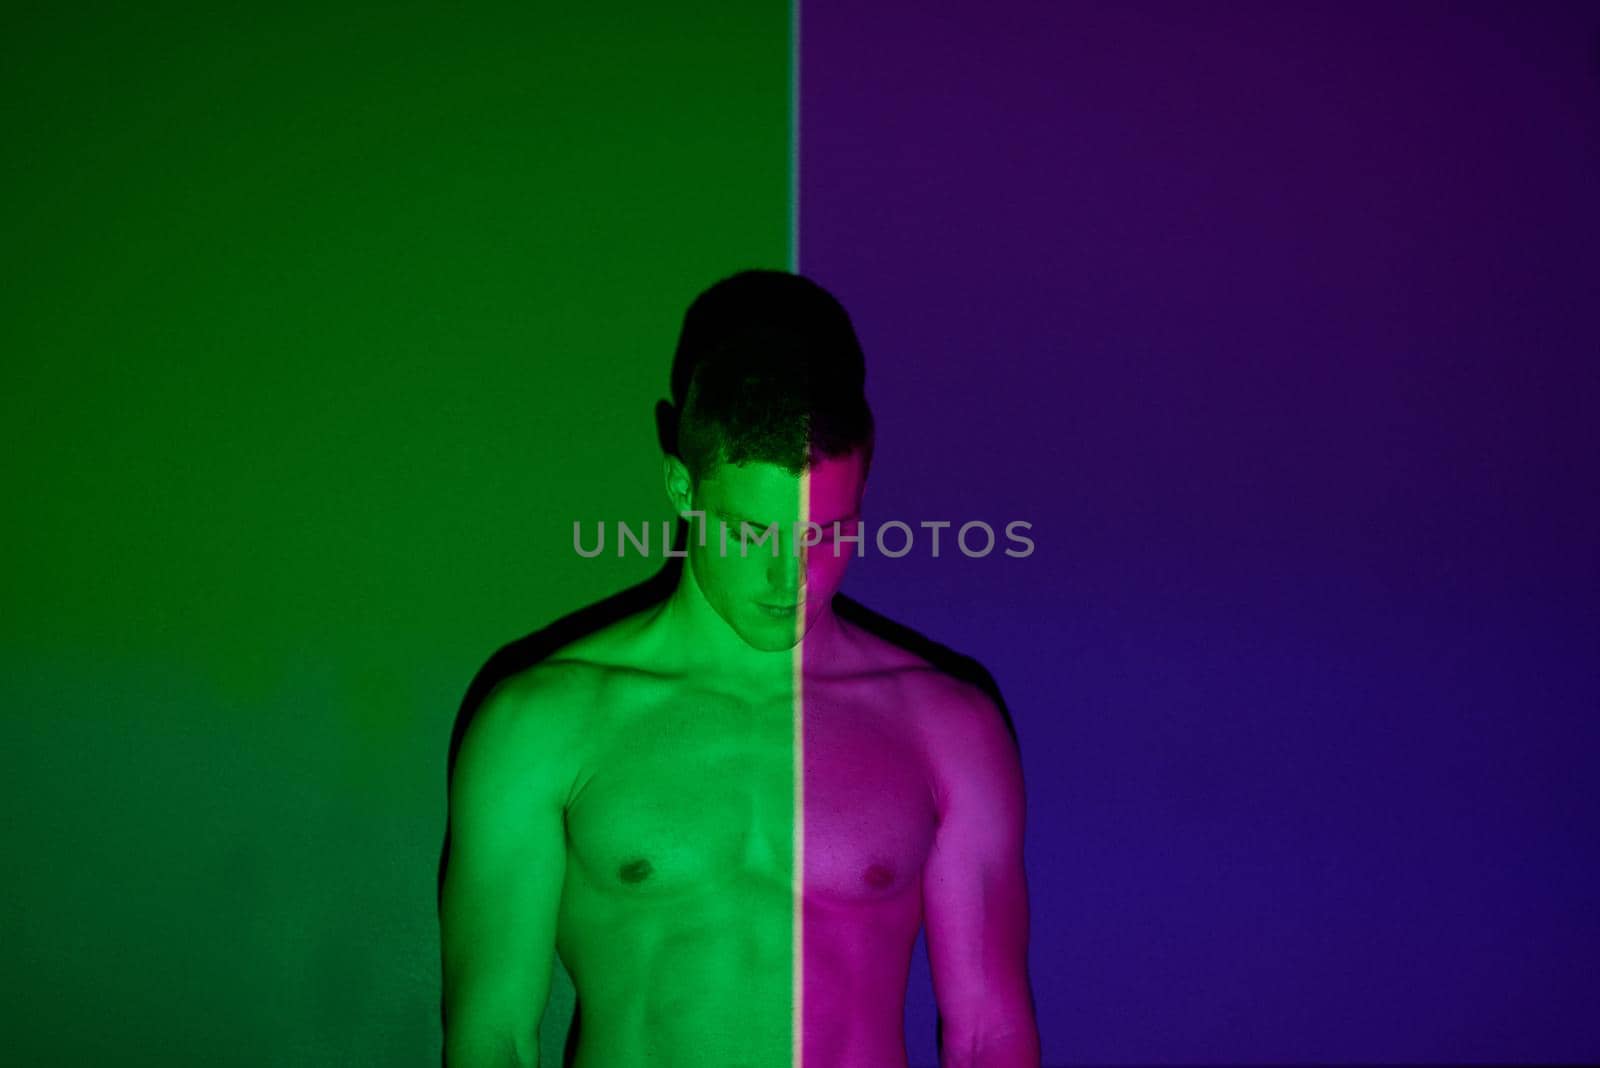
[(768, 369), (764, 397)]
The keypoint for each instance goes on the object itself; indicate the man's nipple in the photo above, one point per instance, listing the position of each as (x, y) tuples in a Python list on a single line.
[(878, 876), (635, 871)]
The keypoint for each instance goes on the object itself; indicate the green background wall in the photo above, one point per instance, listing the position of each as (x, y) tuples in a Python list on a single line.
[(319, 329)]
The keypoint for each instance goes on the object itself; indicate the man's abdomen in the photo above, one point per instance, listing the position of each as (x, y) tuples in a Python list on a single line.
[(694, 980)]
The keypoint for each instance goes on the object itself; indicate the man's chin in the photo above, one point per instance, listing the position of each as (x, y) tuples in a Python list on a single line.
[(767, 643), (771, 637)]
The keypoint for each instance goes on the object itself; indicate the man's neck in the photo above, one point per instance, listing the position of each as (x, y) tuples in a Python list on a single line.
[(704, 642)]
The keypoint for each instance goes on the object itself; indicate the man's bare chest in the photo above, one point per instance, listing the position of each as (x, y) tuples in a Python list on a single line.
[(686, 799)]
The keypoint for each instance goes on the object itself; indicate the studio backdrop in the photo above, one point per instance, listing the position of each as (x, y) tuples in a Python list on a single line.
[(1278, 324)]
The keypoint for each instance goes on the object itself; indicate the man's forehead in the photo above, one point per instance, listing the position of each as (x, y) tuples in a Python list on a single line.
[(834, 485), (764, 493)]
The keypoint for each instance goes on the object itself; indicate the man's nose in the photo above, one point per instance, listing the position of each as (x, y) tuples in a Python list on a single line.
[(787, 570)]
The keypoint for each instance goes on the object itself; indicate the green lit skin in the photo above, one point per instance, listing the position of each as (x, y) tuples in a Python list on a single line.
[(630, 802), (665, 746)]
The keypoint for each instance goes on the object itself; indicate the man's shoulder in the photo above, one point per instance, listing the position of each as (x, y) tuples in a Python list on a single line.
[(963, 732), (523, 739), (952, 711), (560, 690), (527, 713), (573, 681), (618, 648), (947, 701), (949, 685)]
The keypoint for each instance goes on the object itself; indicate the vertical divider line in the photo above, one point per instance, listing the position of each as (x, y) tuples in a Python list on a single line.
[(798, 877), (797, 711), (794, 135)]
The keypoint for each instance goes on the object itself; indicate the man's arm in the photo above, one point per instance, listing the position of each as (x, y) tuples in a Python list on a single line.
[(503, 876), (975, 896)]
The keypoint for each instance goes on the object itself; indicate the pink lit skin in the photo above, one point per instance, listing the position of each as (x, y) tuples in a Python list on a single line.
[(913, 815)]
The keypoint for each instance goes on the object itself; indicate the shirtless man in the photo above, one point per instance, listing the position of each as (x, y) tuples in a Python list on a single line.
[(641, 800)]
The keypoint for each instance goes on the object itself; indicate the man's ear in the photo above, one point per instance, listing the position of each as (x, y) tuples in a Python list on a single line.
[(680, 487)]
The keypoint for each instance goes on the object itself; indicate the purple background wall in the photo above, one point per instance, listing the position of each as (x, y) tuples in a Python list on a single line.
[(1280, 323)]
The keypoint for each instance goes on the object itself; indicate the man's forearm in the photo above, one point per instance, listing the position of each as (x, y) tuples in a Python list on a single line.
[(488, 1051), (1018, 1048)]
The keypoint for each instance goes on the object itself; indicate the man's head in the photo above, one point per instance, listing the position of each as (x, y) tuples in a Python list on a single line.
[(773, 429)]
